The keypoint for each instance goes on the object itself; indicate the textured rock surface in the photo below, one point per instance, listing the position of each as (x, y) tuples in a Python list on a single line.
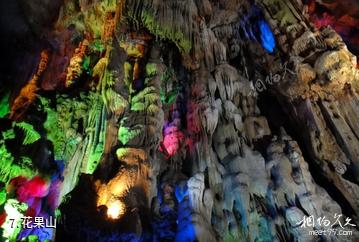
[(160, 103)]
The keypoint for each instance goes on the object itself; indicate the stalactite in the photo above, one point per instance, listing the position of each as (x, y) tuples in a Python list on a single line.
[(74, 70), (188, 120), (27, 94)]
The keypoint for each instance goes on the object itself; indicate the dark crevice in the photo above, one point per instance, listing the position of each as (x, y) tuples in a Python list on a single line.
[(277, 118), (351, 173), (352, 170)]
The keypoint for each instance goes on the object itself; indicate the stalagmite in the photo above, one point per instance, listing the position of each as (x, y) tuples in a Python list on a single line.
[(187, 120)]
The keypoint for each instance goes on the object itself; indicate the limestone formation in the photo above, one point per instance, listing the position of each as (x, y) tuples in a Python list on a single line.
[(188, 120)]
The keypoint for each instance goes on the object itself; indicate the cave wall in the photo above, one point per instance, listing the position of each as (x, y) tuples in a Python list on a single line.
[(140, 121)]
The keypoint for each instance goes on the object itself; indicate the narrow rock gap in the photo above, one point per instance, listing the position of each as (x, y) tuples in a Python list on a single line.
[(277, 118), (333, 130), (351, 172)]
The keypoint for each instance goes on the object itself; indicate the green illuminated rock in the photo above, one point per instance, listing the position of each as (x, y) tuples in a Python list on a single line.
[(4, 105)]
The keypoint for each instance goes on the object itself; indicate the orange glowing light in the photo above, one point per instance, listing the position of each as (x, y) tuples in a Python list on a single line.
[(115, 210)]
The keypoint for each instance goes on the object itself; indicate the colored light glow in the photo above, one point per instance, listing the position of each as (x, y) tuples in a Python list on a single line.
[(340, 16), (14, 211), (4, 105), (267, 38), (36, 187), (181, 192), (172, 139), (115, 210), (110, 194)]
